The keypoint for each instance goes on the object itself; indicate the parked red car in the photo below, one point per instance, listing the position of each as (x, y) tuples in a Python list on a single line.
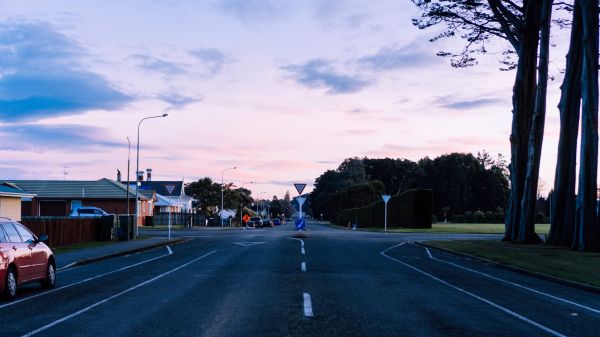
[(24, 258)]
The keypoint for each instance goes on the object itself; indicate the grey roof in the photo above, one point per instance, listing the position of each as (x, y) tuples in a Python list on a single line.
[(76, 189), (166, 188), (12, 191)]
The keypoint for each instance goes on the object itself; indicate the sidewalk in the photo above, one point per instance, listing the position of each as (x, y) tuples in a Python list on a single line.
[(87, 255)]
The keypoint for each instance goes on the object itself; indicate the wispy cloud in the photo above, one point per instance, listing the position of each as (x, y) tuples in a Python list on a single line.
[(177, 101), (161, 66), (395, 58), (358, 132), (35, 137), (41, 76), (250, 11), (452, 103), (319, 73), (212, 59)]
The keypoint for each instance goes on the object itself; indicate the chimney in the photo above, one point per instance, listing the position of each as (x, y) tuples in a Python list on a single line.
[(149, 174), (118, 176), (140, 175)]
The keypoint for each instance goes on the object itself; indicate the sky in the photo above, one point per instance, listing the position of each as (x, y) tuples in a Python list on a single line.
[(282, 89)]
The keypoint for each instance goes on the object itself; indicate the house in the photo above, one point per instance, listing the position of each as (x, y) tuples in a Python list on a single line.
[(170, 194), (10, 201), (59, 197)]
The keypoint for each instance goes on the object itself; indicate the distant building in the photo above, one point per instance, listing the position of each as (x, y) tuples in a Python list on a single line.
[(10, 201), (59, 197), (170, 194)]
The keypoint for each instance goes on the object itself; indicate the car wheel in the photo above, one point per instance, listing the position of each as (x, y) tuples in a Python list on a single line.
[(10, 290), (50, 280)]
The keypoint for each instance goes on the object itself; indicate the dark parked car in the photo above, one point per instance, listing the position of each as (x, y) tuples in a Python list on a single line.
[(267, 223), (255, 221), (24, 258), (276, 222)]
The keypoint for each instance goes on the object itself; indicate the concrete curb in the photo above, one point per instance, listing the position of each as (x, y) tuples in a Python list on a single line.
[(120, 253), (520, 270)]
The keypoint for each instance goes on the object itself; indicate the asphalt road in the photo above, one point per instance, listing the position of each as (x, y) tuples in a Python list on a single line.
[(268, 283)]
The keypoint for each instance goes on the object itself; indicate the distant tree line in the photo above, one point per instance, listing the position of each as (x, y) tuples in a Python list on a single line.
[(461, 182), (208, 196)]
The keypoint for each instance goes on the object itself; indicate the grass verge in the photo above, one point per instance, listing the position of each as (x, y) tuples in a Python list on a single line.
[(456, 228), (558, 262)]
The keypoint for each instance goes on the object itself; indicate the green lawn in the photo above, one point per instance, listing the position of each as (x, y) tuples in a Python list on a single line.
[(458, 228), (559, 262)]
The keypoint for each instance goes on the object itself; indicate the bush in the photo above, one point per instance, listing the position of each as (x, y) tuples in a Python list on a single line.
[(433, 219)]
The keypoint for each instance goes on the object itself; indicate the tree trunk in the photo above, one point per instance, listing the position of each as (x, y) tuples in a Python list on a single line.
[(536, 137), (523, 102), (563, 197), (586, 225)]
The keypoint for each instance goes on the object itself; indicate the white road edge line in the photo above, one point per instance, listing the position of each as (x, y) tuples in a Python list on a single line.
[(303, 267), (308, 312), (466, 292), (429, 253), (90, 307), (80, 282), (581, 306), (302, 251), (169, 250)]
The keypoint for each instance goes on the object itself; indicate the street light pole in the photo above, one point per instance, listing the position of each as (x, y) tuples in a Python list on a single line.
[(137, 169), (222, 174), (128, 185)]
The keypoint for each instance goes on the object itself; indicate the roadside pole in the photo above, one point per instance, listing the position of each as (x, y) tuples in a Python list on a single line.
[(169, 222), (386, 198)]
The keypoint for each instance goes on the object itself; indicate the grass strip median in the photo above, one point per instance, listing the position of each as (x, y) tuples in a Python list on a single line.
[(563, 263)]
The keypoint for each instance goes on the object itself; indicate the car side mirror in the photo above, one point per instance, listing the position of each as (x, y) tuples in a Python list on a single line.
[(43, 238)]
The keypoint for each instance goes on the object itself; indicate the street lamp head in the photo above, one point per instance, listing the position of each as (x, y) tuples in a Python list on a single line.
[(165, 115)]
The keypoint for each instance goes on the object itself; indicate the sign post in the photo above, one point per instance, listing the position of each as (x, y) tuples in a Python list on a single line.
[(385, 198), (300, 222)]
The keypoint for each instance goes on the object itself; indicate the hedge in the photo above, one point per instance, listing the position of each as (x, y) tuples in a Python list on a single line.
[(411, 209)]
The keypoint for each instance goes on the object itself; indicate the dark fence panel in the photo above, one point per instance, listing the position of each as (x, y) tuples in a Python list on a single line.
[(64, 231)]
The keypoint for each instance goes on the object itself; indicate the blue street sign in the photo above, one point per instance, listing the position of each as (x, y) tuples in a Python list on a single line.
[(300, 223)]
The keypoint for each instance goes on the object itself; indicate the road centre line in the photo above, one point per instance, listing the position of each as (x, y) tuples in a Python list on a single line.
[(303, 267), (308, 311), (581, 306), (302, 251), (466, 292), (82, 281), (90, 307)]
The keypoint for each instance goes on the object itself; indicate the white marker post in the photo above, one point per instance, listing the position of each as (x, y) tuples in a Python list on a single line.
[(386, 198)]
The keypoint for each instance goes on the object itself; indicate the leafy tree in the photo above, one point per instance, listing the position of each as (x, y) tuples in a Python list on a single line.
[(276, 207), (287, 205), (206, 192)]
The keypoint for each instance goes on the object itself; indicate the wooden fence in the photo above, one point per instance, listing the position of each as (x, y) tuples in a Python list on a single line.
[(64, 231)]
